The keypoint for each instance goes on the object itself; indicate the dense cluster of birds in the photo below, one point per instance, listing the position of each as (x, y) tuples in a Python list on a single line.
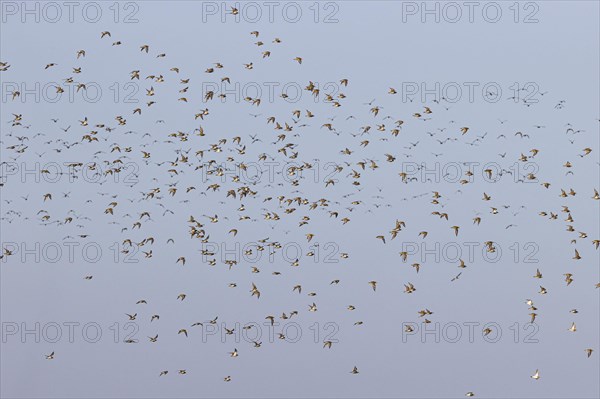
[(371, 143)]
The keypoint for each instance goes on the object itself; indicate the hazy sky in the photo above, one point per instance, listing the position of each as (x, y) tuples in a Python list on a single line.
[(472, 58)]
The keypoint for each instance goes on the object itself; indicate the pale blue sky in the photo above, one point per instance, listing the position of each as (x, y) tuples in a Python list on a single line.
[(376, 45)]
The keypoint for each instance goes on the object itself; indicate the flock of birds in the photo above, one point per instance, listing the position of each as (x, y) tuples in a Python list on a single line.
[(371, 142)]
